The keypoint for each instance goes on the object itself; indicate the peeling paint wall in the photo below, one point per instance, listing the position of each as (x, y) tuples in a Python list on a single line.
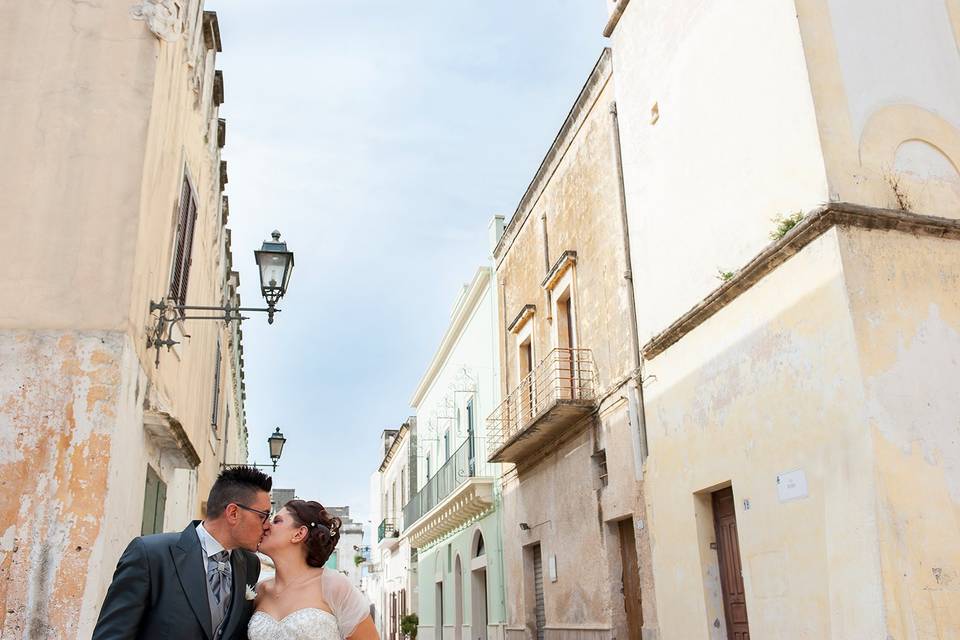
[(840, 365), (102, 119), (906, 311)]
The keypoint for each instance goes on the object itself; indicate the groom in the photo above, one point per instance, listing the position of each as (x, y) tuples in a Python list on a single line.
[(192, 585)]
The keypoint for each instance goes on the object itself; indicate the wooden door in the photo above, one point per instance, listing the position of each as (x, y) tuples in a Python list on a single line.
[(630, 579), (731, 571), (539, 608)]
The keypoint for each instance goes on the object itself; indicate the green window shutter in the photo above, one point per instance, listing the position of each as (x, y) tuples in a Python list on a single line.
[(154, 503)]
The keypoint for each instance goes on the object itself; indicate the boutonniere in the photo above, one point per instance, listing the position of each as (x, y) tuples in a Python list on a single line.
[(251, 593)]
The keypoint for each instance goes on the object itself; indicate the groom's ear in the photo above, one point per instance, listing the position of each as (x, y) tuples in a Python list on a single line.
[(231, 513)]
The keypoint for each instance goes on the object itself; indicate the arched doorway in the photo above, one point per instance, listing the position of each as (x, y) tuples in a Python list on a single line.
[(458, 600), (478, 588)]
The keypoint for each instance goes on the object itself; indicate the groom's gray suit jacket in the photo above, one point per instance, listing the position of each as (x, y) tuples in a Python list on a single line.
[(159, 591)]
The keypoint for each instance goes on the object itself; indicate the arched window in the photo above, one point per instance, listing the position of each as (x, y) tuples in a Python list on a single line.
[(478, 547)]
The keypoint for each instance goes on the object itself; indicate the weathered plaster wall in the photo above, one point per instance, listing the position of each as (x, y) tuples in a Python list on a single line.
[(885, 78), (557, 499), (74, 72), (99, 120), (719, 135), (64, 397), (582, 213), (906, 314), (558, 491), (768, 385)]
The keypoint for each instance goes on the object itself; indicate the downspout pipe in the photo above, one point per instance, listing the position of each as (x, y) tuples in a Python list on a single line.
[(636, 383)]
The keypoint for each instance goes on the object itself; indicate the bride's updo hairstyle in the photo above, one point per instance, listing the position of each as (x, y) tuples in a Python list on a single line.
[(323, 530)]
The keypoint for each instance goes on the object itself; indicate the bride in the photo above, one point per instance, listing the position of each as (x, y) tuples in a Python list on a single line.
[(304, 601)]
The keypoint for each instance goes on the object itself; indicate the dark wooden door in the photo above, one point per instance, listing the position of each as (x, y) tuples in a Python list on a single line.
[(630, 579), (731, 571)]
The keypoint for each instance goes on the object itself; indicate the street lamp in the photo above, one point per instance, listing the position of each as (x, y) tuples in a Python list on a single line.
[(276, 442), (275, 263)]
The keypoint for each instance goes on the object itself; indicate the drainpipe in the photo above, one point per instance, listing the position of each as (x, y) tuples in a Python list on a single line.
[(546, 265), (635, 386)]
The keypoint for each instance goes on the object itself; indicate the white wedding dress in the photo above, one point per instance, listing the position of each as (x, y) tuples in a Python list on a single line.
[(303, 624), (349, 608)]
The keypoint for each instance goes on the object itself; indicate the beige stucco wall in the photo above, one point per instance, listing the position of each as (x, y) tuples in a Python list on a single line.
[(734, 142), (835, 364), (99, 118), (885, 79), (906, 315)]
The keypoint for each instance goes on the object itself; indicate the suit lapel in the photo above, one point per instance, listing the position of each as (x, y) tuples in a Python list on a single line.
[(187, 555), (238, 563)]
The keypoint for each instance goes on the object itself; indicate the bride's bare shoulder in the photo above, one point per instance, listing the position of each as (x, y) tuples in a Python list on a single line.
[(266, 587)]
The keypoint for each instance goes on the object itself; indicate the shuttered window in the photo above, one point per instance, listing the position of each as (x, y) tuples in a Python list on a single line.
[(154, 503), (186, 222), (215, 412)]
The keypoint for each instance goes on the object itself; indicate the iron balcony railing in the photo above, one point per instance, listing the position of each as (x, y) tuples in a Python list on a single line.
[(564, 375), (465, 463), (387, 529)]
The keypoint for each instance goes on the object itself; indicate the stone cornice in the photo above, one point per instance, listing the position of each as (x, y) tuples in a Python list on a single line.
[(813, 225), (571, 126), (614, 19), (464, 311)]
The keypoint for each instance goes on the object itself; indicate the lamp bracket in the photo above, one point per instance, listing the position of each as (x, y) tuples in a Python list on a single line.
[(165, 313)]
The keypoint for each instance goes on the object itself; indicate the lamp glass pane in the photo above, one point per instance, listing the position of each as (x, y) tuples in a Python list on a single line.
[(272, 267), (276, 445)]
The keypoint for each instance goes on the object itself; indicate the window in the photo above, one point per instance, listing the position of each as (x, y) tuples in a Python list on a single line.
[(215, 412), (183, 245), (403, 486), (428, 467), (154, 502), (446, 445)]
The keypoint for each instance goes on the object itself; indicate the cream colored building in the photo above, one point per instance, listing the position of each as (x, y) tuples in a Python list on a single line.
[(803, 478), (112, 197), (453, 518), (576, 553), (394, 590)]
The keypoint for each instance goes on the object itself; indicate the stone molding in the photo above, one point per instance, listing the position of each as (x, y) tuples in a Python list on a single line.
[(161, 18), (168, 435), (813, 225)]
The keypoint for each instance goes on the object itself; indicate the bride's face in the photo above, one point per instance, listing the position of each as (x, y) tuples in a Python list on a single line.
[(282, 532)]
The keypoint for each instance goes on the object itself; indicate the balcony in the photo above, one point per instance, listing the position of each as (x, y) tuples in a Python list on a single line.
[(387, 534), (460, 490), (558, 393)]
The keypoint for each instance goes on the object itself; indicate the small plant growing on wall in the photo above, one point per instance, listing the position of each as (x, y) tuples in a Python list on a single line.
[(784, 224), (408, 625), (724, 276), (895, 180), (358, 560)]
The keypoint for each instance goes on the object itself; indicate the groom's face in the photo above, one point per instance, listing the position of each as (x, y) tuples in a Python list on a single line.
[(250, 525)]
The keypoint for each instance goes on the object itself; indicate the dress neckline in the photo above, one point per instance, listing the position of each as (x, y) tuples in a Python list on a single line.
[(292, 613)]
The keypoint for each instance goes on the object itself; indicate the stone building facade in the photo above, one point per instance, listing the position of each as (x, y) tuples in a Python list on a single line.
[(112, 198), (569, 431), (803, 477)]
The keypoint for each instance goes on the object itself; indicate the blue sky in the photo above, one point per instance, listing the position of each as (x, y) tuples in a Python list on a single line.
[(379, 137)]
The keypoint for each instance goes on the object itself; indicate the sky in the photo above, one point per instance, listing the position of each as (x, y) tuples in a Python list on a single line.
[(379, 137)]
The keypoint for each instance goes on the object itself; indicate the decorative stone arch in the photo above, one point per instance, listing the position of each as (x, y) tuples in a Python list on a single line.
[(892, 126)]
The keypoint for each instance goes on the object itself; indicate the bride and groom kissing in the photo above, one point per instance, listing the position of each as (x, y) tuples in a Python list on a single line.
[(202, 583)]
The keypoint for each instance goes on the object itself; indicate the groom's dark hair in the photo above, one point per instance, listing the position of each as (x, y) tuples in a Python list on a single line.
[(237, 485)]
